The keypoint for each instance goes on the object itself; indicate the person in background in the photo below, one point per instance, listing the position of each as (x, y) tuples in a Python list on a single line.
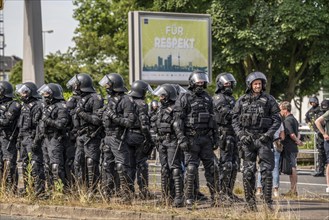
[(290, 144), (322, 124)]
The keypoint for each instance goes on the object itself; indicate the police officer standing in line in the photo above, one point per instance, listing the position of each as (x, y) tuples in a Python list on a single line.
[(9, 113), (89, 129), (31, 113), (139, 139), (321, 163), (311, 115), (110, 179), (123, 117), (196, 131), (229, 158), (71, 134), (169, 152), (153, 108), (55, 119), (198, 195), (255, 120)]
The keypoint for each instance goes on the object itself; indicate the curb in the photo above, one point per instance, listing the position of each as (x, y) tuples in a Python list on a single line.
[(61, 212)]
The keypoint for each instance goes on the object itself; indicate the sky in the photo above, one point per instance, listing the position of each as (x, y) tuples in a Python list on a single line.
[(56, 16)]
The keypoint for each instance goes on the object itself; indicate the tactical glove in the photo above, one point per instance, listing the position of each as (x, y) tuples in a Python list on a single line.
[(183, 143), (246, 140), (264, 138)]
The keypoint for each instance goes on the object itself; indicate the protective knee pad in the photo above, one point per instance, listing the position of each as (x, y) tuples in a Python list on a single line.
[(55, 170), (191, 169), (177, 173)]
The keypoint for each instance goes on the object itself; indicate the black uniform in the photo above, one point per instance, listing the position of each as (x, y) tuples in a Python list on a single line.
[(228, 161), (255, 120), (70, 140), (55, 118), (123, 116), (88, 141), (311, 115), (110, 176), (169, 152), (30, 151), (9, 113), (195, 128)]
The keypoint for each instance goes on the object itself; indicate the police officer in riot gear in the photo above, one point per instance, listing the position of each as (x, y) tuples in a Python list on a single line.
[(88, 128), (255, 120), (153, 108), (321, 163), (53, 125), (196, 130), (228, 161), (169, 152), (198, 195), (122, 115), (9, 113), (139, 139), (311, 115), (31, 113)]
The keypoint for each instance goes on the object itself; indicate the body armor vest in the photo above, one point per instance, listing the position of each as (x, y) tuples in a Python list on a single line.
[(165, 120), (107, 122), (199, 117), (4, 110), (255, 114), (223, 105), (25, 120)]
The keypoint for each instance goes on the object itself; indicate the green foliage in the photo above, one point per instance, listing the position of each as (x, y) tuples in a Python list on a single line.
[(287, 40)]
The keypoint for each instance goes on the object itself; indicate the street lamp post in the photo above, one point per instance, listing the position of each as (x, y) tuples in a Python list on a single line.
[(44, 39)]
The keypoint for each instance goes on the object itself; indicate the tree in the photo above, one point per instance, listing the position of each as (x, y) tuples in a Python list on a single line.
[(283, 39), (58, 67)]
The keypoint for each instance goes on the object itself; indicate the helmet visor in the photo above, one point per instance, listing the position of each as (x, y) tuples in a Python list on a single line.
[(72, 82), (149, 89), (45, 91), (104, 81), (200, 77), (160, 91), (227, 78), (2, 90), (23, 89)]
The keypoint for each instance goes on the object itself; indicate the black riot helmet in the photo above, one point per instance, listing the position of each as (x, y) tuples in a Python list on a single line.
[(51, 90), (113, 81), (254, 76), (6, 89), (223, 78), (324, 105), (196, 77), (167, 92), (81, 82), (139, 89), (28, 89), (179, 89), (313, 99)]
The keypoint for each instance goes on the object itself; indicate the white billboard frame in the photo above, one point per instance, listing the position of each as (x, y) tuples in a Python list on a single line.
[(177, 73)]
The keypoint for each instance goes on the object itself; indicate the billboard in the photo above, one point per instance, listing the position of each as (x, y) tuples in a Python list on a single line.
[(167, 47)]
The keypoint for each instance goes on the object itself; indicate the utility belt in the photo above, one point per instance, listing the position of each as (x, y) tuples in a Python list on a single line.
[(54, 135), (226, 130), (136, 131), (112, 131), (193, 132), (168, 136), (86, 130), (255, 134)]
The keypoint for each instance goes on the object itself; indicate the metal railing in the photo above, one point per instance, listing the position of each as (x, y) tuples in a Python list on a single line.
[(310, 137)]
